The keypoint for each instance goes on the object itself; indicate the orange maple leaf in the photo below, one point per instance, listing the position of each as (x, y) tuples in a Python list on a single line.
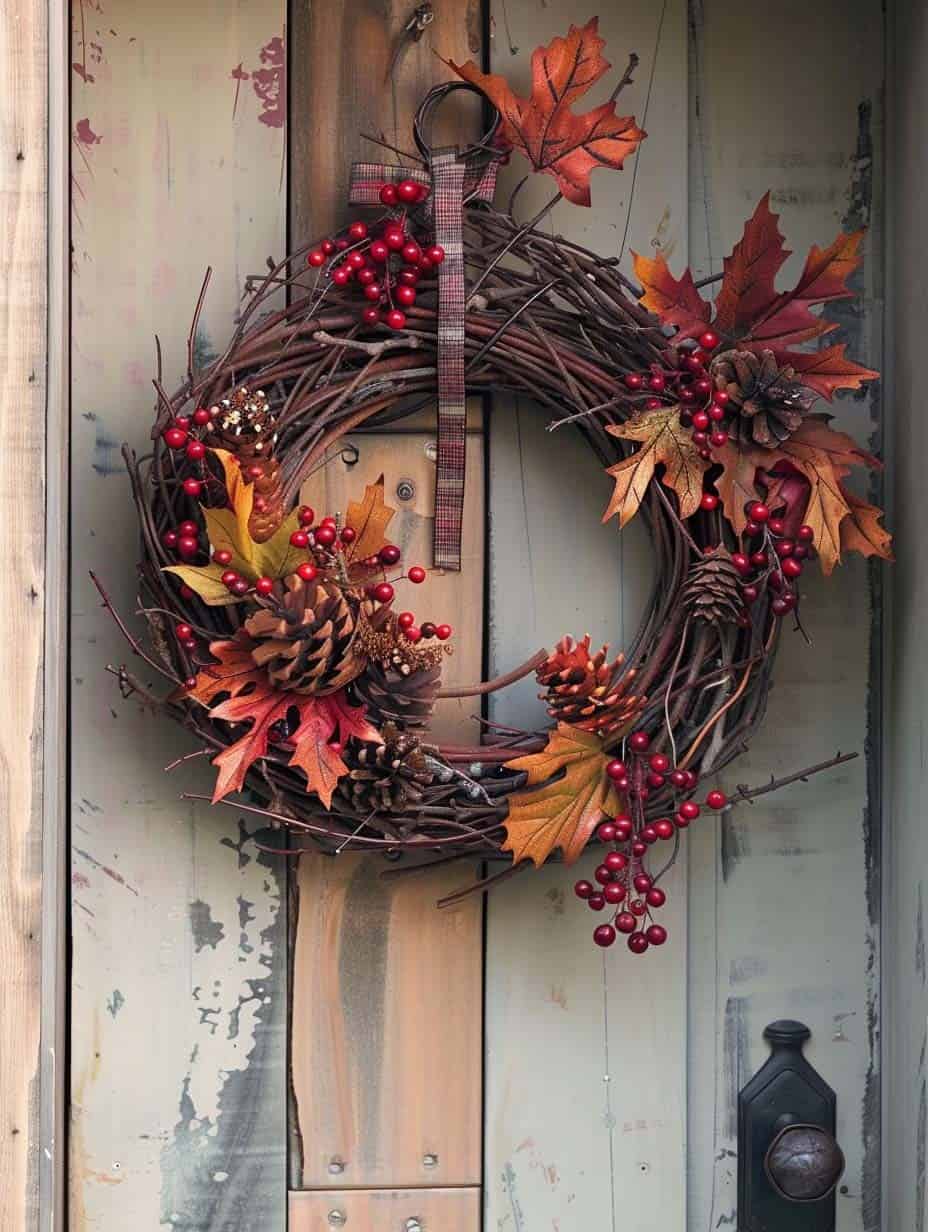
[(248, 697), (676, 301), (664, 441), (543, 127), (369, 519), (861, 530), (566, 810), (747, 288)]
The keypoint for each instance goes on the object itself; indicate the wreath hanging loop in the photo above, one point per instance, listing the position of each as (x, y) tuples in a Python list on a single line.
[(284, 631), (421, 129)]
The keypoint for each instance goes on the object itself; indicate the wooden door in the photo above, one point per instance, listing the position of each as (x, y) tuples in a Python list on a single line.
[(607, 1085)]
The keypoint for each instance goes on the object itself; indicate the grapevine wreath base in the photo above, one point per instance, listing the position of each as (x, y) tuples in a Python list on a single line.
[(292, 659)]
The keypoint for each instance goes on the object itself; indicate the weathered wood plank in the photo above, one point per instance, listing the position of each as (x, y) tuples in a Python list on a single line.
[(386, 1035), (23, 358), (785, 895), (602, 1139), (415, 1210), (179, 984)]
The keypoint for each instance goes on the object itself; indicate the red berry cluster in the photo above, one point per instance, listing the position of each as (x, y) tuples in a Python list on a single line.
[(387, 262), (703, 408), (771, 560), (623, 880)]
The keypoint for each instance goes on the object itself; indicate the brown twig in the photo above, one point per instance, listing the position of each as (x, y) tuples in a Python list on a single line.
[(498, 682)]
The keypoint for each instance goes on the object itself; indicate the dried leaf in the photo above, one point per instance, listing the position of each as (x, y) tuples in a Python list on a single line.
[(315, 755), (825, 370), (664, 442), (543, 127), (676, 301), (565, 812), (748, 288), (861, 530), (369, 519), (207, 581)]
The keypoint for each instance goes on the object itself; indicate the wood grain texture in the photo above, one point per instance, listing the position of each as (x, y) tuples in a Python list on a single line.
[(906, 888), (386, 1210), (386, 1035), (179, 971), (602, 1138), (354, 71), (785, 895), (408, 466), (23, 358)]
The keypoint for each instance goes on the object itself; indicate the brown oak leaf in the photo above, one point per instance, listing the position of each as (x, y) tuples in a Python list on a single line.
[(664, 441), (543, 126), (566, 810)]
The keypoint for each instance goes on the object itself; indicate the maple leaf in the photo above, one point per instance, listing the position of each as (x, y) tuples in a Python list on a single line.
[(861, 530), (250, 698), (369, 520), (664, 441), (825, 370), (565, 812), (747, 288), (543, 127), (676, 301)]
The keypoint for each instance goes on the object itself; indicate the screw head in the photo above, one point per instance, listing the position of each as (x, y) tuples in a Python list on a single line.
[(405, 490), (337, 1218), (336, 1166), (429, 1160)]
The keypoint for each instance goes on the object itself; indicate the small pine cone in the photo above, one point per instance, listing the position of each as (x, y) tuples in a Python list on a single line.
[(244, 425), (770, 404), (306, 639), (712, 591), (587, 690), (395, 695), (387, 777)]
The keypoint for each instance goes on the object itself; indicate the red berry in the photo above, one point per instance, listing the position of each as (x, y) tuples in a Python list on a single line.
[(680, 821), (424, 265), (721, 397), (616, 770), (614, 892), (341, 276), (708, 501), (358, 231), (716, 413), (700, 437), (187, 593), (239, 587), (741, 563), (379, 251), (651, 404), (687, 396), (784, 548), (405, 295), (655, 781), (408, 191), (656, 897), (373, 291), (716, 800), (435, 254), (637, 943), (411, 252), (780, 606), (315, 258), (596, 901), (718, 439), (700, 420), (388, 195), (175, 437), (307, 571), (606, 832), (648, 835), (409, 276), (201, 416), (664, 828), (656, 382), (633, 380), (183, 631), (190, 643), (639, 741), (805, 534), (222, 556), (325, 535), (604, 935), (751, 529), (356, 261), (641, 882), (639, 847), (383, 592), (183, 421), (328, 247), (776, 526), (759, 558), (396, 319), (615, 861), (416, 574), (602, 874), (370, 315), (389, 554), (190, 683), (709, 340), (791, 567), (703, 386), (775, 582), (192, 487), (659, 763), (678, 778), (749, 594), (689, 809), (367, 275), (188, 546), (583, 889), (443, 632), (348, 534), (394, 238), (229, 578), (299, 539), (307, 515), (405, 620), (656, 934), (623, 828), (264, 585), (413, 633), (758, 512), (625, 922), (691, 779), (196, 450)]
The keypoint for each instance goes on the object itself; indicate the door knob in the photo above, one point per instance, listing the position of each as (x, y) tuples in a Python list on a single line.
[(789, 1163)]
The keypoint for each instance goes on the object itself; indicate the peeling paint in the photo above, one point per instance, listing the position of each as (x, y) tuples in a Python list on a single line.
[(115, 1002), (206, 930)]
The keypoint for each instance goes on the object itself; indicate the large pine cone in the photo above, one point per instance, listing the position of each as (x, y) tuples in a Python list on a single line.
[(712, 591), (386, 778), (770, 404), (306, 639), (392, 695), (587, 690)]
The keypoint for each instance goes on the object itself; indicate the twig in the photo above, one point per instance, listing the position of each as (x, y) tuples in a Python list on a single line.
[(404, 343), (133, 642), (498, 682), (479, 886), (748, 794)]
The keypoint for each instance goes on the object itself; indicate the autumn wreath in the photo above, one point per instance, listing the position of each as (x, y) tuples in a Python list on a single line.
[(290, 655)]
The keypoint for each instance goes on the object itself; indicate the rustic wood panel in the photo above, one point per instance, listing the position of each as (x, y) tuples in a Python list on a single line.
[(386, 1029), (179, 1010), (407, 463), (906, 998), (602, 1138), (23, 358), (785, 895), (445, 1210)]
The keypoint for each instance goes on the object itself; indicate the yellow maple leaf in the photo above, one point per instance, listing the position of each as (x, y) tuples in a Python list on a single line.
[(664, 441), (566, 810)]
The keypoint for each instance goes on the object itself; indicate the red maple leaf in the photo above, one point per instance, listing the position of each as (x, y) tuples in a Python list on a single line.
[(543, 127)]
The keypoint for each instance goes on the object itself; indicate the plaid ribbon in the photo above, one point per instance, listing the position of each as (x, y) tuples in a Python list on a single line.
[(451, 180)]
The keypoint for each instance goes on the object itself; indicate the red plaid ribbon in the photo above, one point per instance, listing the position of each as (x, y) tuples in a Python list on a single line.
[(451, 181)]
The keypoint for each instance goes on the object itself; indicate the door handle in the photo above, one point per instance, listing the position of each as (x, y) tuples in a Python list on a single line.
[(789, 1162)]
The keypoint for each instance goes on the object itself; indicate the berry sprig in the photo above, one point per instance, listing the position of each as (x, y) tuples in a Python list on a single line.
[(703, 408), (623, 880), (771, 559), (387, 261)]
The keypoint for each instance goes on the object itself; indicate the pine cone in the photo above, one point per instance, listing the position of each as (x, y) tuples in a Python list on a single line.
[(244, 424), (587, 691), (394, 696), (712, 591), (770, 404), (387, 777), (306, 639)]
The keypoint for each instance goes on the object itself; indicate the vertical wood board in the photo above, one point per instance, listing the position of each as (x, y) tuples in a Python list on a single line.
[(784, 895), (178, 1050), (602, 1139)]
